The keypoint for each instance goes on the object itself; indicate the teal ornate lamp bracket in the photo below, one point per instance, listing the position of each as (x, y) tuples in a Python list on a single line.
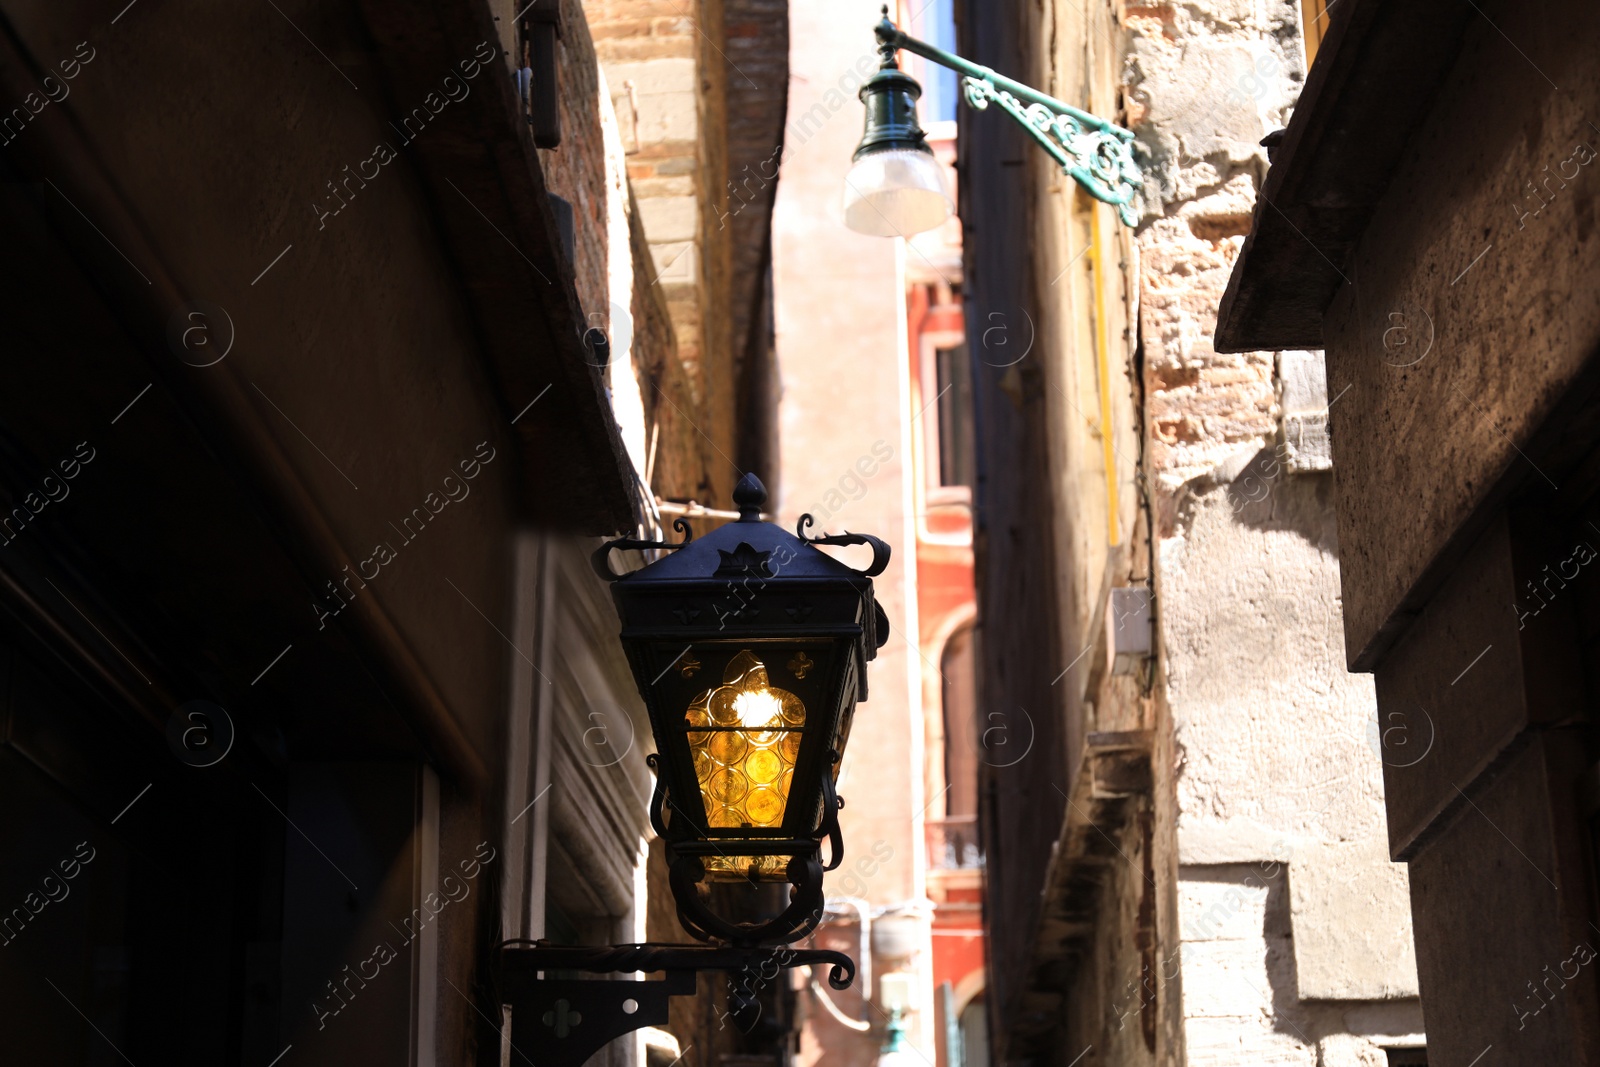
[(1097, 154)]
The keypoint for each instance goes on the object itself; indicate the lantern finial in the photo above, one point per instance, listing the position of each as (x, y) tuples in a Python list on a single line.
[(749, 494)]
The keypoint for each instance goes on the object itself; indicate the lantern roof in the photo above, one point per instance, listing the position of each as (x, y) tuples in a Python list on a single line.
[(741, 580), (747, 548), (751, 549)]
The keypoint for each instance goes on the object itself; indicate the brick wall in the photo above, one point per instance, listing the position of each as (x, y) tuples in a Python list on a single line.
[(573, 171), (1203, 406), (667, 75), (683, 456), (651, 52)]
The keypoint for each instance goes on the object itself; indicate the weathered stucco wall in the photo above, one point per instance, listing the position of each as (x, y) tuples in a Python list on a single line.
[(1288, 904), (1076, 800), (1485, 239)]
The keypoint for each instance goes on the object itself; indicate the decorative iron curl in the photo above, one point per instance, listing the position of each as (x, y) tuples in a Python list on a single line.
[(658, 799), (880, 547), (828, 823), (804, 912), (1099, 158), (601, 560), (841, 974)]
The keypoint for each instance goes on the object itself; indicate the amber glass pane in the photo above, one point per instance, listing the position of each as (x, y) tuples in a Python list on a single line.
[(745, 736), (733, 868)]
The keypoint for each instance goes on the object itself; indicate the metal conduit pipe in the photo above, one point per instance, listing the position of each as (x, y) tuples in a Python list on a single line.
[(833, 906)]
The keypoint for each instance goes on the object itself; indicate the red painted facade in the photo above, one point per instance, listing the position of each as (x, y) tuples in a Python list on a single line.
[(946, 606)]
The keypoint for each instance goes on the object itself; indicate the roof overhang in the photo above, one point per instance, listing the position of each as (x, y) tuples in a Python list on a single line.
[(1372, 84)]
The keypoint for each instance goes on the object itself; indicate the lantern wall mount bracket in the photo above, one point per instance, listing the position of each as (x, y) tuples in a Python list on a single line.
[(568, 1019), (1097, 154)]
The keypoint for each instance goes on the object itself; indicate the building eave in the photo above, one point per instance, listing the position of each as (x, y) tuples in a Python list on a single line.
[(518, 284), (1372, 84)]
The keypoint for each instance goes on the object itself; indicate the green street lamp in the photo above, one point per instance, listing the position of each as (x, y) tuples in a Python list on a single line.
[(897, 1051), (896, 188)]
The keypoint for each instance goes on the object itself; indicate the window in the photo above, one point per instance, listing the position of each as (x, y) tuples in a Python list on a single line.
[(953, 380), (958, 670), (952, 837), (940, 85), (974, 1034)]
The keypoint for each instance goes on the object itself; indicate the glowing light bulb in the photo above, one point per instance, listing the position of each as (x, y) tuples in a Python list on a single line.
[(757, 707), (745, 738)]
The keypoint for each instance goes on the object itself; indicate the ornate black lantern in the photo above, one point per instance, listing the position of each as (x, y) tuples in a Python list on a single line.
[(750, 648)]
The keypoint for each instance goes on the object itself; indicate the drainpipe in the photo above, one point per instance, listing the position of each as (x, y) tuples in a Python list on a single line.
[(1108, 445), (864, 960)]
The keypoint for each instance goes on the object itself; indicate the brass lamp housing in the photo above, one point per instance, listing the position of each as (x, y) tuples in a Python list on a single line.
[(750, 648)]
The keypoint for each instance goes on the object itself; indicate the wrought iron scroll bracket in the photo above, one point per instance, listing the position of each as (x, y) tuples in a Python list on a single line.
[(601, 560), (880, 547), (685, 874), (565, 1019), (1097, 154)]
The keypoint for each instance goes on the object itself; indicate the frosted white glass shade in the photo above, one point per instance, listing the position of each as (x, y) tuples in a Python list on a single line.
[(896, 192), (901, 1057)]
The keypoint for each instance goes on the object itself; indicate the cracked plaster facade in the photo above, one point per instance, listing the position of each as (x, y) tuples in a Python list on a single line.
[(1297, 944), (1243, 908)]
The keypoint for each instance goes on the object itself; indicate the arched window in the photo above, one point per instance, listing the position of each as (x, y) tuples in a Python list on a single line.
[(953, 833), (974, 1027)]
